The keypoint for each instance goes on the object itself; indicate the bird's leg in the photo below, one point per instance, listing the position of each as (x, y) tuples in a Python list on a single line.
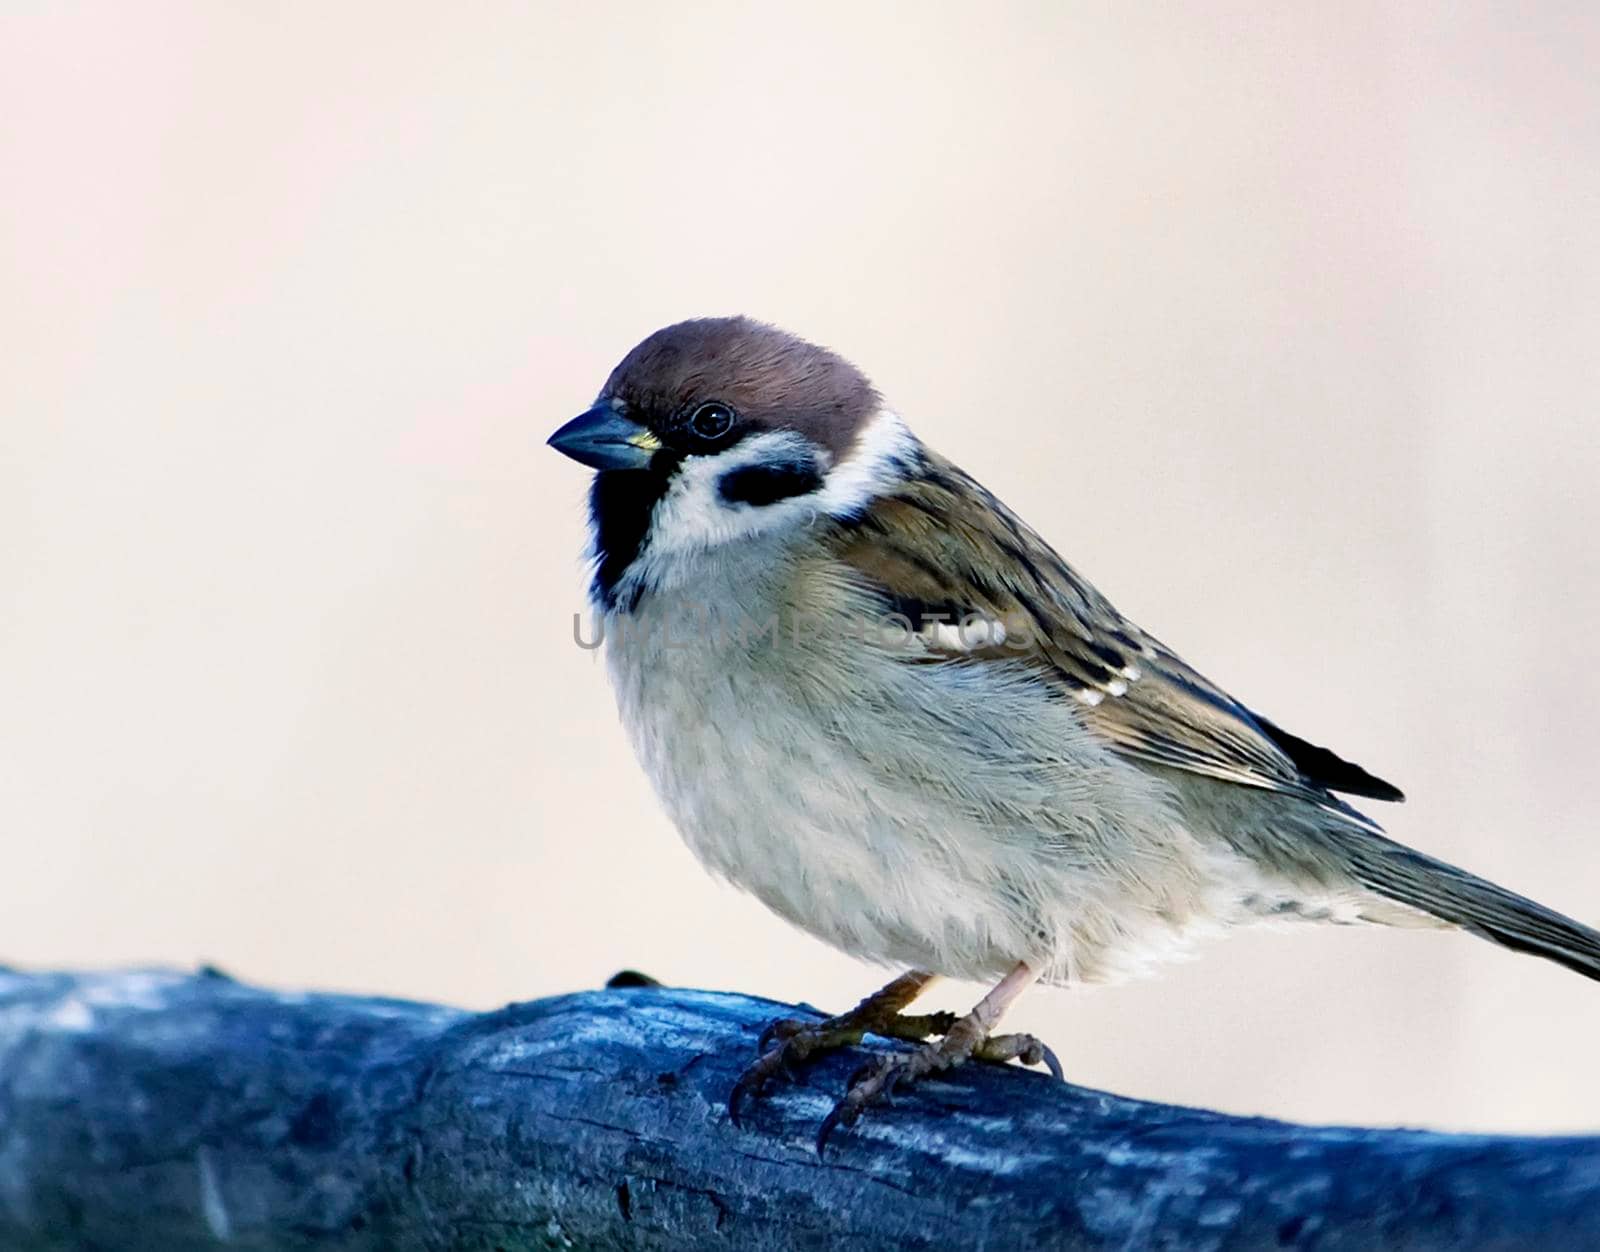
[(965, 1038), (794, 1040)]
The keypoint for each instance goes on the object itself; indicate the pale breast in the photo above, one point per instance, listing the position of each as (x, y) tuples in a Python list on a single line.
[(929, 816)]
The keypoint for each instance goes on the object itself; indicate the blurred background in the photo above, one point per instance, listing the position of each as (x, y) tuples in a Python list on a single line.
[(1281, 321)]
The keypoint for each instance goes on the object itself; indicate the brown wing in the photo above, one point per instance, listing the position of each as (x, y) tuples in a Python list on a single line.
[(942, 550)]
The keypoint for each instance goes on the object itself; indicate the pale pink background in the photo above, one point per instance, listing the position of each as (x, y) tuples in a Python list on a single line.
[(1282, 320)]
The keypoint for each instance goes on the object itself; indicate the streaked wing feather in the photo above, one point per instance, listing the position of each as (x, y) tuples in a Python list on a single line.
[(943, 540)]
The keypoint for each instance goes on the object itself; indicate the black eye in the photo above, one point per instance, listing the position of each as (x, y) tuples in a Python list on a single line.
[(711, 421)]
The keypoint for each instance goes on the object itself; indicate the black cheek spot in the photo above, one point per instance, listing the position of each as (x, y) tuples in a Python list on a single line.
[(768, 483)]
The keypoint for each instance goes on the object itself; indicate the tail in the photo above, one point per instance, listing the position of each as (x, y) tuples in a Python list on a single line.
[(1472, 903)]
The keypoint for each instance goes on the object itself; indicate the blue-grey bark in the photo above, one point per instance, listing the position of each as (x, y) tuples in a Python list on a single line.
[(172, 1111)]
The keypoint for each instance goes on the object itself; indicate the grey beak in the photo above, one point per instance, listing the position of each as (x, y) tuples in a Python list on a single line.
[(605, 440)]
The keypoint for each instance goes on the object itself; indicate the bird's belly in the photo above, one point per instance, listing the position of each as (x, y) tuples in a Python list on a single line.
[(782, 812), (885, 865)]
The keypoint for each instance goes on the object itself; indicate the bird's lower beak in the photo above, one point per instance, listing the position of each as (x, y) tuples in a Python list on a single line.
[(605, 440)]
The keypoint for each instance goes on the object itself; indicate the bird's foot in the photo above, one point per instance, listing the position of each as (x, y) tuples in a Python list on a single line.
[(877, 1081), (791, 1042)]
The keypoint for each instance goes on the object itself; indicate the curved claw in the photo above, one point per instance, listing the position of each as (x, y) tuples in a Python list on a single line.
[(783, 1048), (1038, 1052), (742, 1090), (873, 1083), (751, 1083), (842, 1113), (778, 1027)]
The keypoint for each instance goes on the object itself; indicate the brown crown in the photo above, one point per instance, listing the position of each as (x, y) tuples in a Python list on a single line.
[(769, 377)]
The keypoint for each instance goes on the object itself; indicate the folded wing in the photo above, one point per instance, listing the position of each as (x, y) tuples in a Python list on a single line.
[(980, 587)]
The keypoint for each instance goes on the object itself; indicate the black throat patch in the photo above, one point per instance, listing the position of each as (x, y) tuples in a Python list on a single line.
[(620, 506)]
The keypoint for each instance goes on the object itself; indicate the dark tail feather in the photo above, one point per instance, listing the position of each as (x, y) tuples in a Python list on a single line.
[(1462, 899)]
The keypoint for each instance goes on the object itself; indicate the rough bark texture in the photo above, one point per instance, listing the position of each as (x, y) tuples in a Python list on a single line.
[(158, 1110)]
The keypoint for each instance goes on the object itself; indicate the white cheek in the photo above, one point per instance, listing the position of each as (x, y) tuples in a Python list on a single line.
[(693, 519), (884, 451), (693, 516)]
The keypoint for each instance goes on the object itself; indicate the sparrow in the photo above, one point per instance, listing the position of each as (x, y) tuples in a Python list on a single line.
[(871, 695)]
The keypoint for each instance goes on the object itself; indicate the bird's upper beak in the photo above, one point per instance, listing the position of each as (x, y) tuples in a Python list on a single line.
[(605, 440)]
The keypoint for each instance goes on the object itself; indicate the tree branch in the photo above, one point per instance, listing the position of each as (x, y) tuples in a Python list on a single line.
[(158, 1110)]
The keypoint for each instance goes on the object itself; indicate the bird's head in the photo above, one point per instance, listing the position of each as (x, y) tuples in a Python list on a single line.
[(722, 431)]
